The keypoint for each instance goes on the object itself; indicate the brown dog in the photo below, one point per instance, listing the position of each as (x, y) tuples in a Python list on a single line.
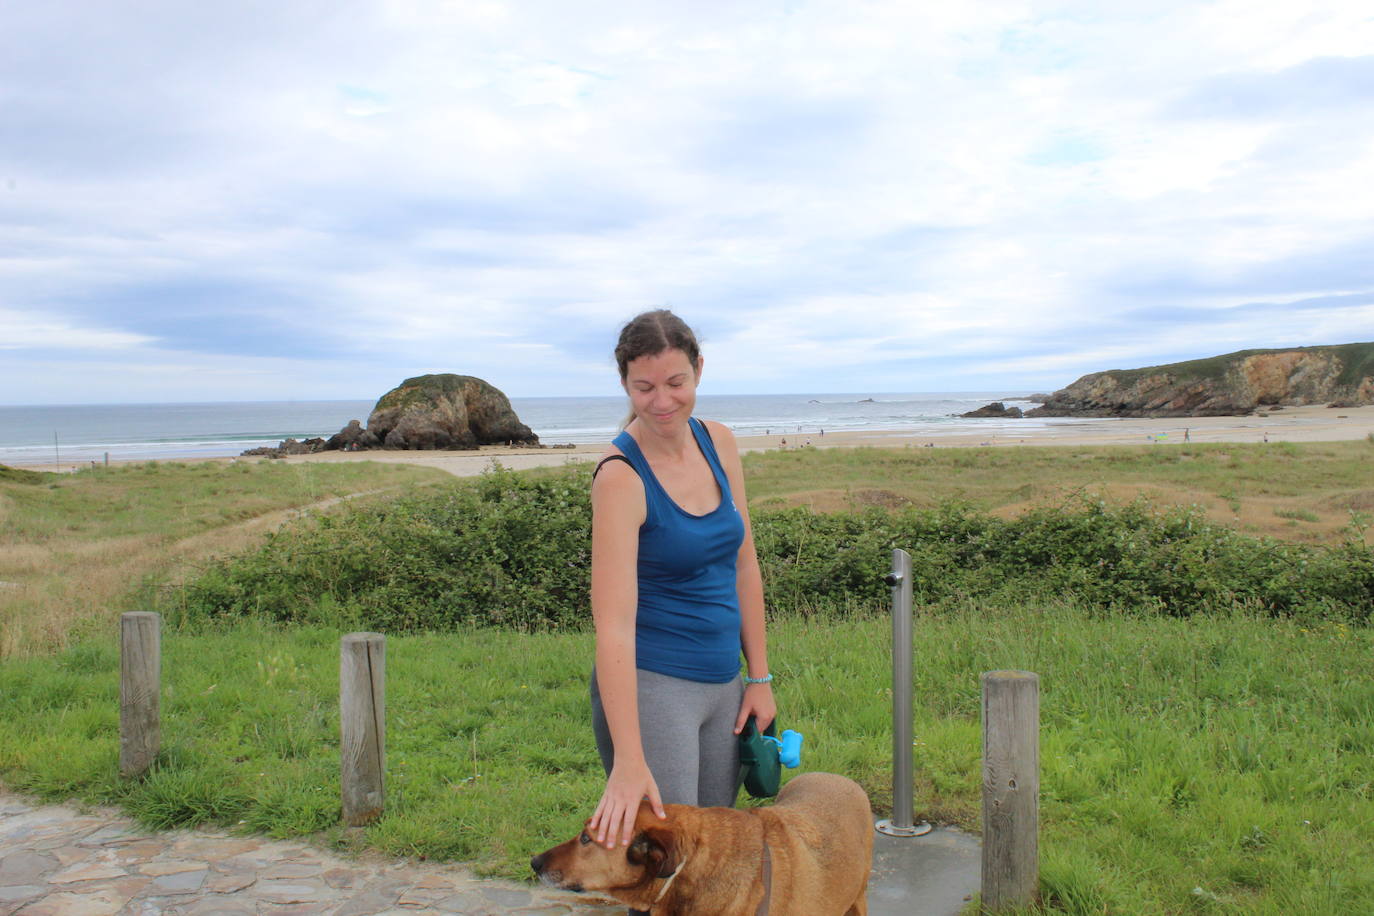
[(807, 855)]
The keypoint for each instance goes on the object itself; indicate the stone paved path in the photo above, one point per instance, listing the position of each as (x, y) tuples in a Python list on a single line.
[(56, 861)]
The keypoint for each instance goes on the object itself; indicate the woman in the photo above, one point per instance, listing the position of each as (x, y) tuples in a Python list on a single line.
[(676, 592)]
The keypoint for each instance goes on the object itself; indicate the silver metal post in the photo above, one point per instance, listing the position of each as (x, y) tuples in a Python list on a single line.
[(901, 822)]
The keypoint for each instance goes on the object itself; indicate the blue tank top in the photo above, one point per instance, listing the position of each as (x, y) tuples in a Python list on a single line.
[(688, 622)]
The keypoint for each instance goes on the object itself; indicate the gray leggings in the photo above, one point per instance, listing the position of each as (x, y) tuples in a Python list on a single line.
[(688, 730)]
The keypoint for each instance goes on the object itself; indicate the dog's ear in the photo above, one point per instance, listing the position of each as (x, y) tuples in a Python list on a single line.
[(655, 850)]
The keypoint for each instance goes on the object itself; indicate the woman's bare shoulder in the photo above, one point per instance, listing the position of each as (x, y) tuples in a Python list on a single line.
[(614, 475), (721, 435)]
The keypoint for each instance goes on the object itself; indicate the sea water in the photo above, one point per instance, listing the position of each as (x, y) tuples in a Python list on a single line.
[(74, 435)]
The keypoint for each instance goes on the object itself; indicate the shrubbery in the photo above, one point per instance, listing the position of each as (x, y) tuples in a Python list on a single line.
[(1123, 558), (514, 550), (507, 550)]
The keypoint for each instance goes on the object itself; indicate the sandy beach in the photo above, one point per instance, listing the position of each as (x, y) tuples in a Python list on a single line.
[(1289, 424)]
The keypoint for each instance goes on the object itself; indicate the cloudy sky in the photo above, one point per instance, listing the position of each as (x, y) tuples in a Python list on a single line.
[(299, 199)]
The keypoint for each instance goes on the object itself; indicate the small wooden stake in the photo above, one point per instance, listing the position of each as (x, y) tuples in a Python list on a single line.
[(362, 719), (140, 678), (1011, 789)]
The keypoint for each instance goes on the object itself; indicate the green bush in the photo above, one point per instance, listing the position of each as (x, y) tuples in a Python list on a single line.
[(513, 550), (510, 550)]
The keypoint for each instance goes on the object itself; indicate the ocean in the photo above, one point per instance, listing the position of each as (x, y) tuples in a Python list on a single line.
[(73, 435)]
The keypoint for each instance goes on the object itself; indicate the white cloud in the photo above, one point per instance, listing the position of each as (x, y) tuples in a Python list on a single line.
[(830, 188), (29, 331)]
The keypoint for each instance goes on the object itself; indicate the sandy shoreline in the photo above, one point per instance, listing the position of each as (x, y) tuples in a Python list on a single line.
[(1291, 424)]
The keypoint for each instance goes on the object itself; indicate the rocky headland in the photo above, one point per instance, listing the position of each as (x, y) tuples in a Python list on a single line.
[(1234, 384), (436, 412)]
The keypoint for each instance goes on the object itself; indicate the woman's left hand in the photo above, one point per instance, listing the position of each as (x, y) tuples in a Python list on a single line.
[(759, 703)]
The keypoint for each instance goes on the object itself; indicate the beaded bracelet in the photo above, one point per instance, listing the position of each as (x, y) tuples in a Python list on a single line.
[(766, 679)]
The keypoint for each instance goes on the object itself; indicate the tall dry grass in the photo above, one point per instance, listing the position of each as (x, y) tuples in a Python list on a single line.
[(76, 550), (1306, 492)]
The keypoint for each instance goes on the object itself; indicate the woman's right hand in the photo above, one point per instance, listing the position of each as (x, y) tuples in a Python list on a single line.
[(626, 787)]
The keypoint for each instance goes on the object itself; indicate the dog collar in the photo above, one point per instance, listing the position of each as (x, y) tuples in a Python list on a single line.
[(767, 881), (671, 878)]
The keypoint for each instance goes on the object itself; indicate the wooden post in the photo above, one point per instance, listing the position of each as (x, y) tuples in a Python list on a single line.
[(140, 679), (362, 720), (1011, 789)]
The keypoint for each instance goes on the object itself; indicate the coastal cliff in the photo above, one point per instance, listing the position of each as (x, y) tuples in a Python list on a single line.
[(1236, 383)]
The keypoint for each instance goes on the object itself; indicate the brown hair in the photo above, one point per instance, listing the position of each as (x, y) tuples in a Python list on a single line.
[(651, 333)]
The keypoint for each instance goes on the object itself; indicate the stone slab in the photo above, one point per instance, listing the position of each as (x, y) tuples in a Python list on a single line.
[(933, 875), (58, 861)]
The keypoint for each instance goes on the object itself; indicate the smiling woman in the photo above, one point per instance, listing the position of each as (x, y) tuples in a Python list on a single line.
[(676, 592), (662, 337)]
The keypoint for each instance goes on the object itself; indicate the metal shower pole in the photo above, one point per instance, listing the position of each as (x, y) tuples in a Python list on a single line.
[(901, 822)]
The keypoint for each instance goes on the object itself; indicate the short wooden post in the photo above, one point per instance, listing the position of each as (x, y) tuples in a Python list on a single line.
[(1011, 789), (140, 679), (362, 719)]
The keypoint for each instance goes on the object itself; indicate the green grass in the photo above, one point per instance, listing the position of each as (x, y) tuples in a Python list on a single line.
[(173, 499), (1236, 484), (20, 475), (1299, 515), (76, 549), (1357, 362), (1234, 755), (1193, 764), (989, 478)]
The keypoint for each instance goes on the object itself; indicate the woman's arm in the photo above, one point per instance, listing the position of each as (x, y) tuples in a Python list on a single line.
[(758, 698), (618, 511)]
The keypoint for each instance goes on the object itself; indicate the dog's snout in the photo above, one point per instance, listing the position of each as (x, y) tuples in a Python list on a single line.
[(549, 874)]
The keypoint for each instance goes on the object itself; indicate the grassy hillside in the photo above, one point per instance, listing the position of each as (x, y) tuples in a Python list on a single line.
[(1310, 492), (1356, 358), (75, 549)]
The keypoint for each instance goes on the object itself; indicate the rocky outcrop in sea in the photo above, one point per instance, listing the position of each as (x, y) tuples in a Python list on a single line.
[(287, 447), (1230, 385), (441, 411), (996, 409)]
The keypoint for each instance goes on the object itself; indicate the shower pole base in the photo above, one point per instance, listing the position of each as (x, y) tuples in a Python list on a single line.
[(887, 828)]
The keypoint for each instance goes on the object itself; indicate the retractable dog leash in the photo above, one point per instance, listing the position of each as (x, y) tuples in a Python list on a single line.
[(762, 757)]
